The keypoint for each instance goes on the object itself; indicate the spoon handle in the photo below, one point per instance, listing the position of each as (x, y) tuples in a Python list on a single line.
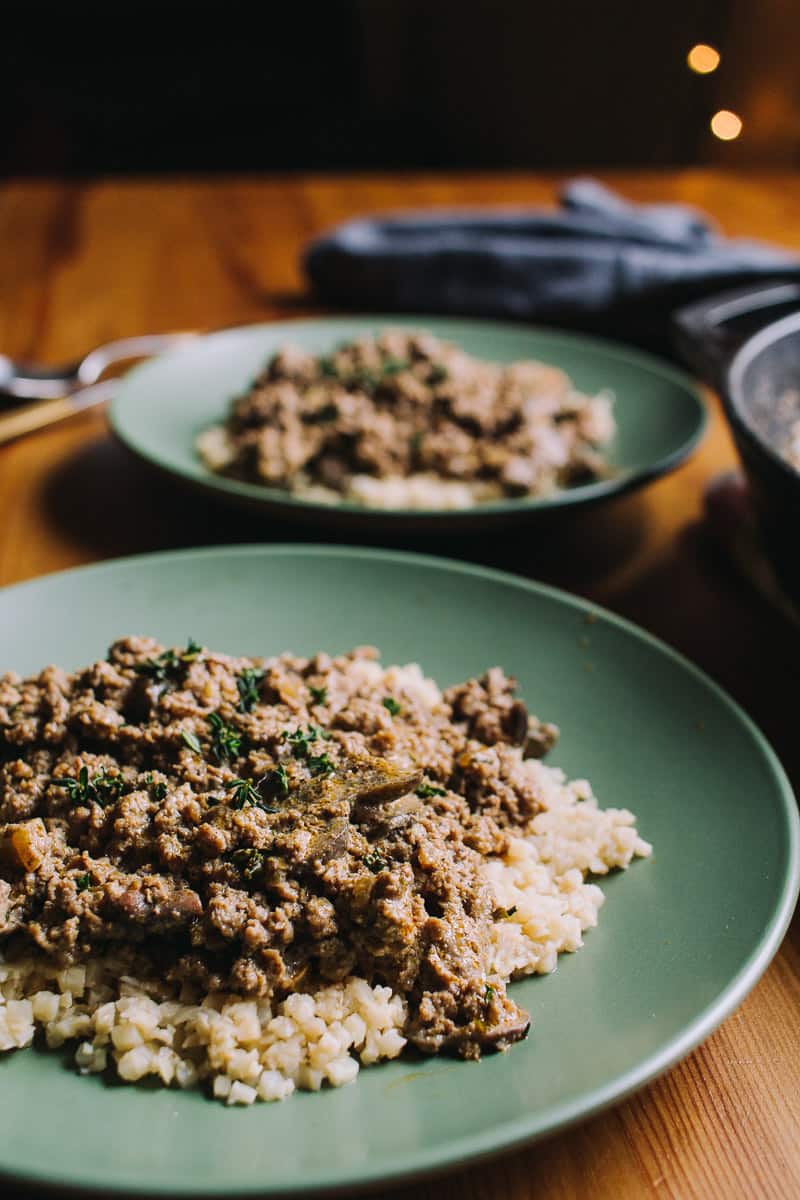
[(32, 417)]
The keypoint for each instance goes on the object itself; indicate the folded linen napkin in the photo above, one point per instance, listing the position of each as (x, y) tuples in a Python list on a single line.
[(597, 263)]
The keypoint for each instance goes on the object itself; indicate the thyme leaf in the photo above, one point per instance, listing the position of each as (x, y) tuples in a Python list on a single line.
[(301, 742), (101, 788), (393, 366), (226, 741), (374, 861), (158, 789), (247, 682), (191, 740), (244, 793), (169, 666), (320, 764), (277, 781), (426, 790), (249, 860)]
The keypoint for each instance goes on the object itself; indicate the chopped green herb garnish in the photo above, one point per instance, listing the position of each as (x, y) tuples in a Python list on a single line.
[(107, 788), (488, 995), (169, 666), (437, 374), (243, 793), (246, 794), (158, 789), (272, 786), (319, 695), (248, 860), (100, 789), (247, 682), (277, 781), (391, 705), (78, 790), (320, 764), (192, 740), (301, 742), (365, 379), (426, 790), (374, 862), (83, 882), (157, 668), (393, 366), (226, 742), (328, 368)]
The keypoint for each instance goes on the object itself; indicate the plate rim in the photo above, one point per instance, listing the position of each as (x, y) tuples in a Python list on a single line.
[(522, 1131), (258, 496)]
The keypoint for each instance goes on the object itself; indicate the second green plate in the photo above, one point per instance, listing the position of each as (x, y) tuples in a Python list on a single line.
[(161, 406)]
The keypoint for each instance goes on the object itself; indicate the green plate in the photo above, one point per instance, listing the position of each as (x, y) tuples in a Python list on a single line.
[(161, 406), (683, 936)]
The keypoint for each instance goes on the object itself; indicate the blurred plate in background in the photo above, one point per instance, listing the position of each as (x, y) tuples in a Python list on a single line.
[(161, 406)]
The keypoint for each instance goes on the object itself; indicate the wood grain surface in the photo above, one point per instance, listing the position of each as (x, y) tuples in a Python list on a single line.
[(89, 261)]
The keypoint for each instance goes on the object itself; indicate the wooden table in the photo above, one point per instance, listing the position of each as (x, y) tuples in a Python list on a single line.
[(86, 262)]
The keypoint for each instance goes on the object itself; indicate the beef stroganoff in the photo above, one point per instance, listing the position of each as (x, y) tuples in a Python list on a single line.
[(405, 420), (259, 874)]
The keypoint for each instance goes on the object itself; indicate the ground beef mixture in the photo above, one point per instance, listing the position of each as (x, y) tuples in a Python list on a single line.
[(265, 826), (404, 406)]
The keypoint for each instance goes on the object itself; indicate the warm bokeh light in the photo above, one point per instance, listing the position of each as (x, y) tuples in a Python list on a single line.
[(726, 125), (703, 59)]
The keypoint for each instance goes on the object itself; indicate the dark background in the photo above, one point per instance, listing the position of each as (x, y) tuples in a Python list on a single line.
[(89, 88)]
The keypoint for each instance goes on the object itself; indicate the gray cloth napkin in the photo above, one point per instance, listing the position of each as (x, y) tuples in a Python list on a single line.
[(597, 263)]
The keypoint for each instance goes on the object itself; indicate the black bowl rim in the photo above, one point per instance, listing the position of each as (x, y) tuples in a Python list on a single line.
[(733, 390)]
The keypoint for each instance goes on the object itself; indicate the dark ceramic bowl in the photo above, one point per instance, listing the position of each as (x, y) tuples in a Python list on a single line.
[(747, 345)]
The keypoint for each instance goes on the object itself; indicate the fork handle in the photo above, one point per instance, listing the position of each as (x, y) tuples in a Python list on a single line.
[(34, 416)]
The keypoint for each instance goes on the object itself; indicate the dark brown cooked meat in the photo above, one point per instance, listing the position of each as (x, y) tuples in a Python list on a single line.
[(263, 825), (404, 404)]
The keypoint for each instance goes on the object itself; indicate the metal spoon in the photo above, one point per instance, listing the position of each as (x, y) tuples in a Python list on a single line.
[(63, 391), (26, 381), (27, 418)]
